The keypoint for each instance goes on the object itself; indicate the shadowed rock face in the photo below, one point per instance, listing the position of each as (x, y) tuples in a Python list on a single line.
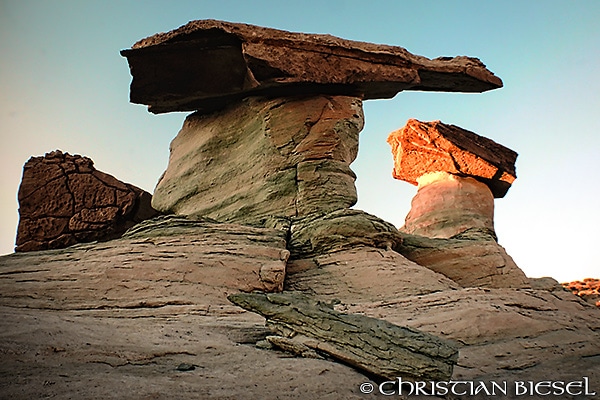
[(64, 200), (420, 148), (207, 64)]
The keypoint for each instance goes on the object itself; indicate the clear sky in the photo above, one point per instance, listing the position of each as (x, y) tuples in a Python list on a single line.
[(63, 85)]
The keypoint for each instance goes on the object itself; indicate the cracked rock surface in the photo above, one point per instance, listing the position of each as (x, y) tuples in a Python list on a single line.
[(64, 200)]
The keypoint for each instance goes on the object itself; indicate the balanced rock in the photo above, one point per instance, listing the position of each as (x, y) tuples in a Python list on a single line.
[(64, 200), (450, 226), (205, 65), (264, 159), (420, 148)]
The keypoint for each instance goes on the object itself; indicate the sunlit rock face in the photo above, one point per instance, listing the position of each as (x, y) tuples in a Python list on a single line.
[(64, 200), (423, 147), (450, 226), (206, 65)]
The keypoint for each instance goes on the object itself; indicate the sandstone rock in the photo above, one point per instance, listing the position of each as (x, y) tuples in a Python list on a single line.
[(319, 234), (423, 147), (126, 312), (588, 289), (372, 345), (205, 65), (264, 159), (64, 200), (474, 259), (165, 261), (447, 205)]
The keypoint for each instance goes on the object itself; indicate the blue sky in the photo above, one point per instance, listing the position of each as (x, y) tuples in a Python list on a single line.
[(63, 85)]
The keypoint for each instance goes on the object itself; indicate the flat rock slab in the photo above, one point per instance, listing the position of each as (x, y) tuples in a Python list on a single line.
[(207, 64), (420, 148), (372, 345)]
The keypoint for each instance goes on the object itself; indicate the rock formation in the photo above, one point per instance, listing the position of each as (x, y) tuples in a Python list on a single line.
[(64, 200), (80, 321), (375, 346), (205, 65), (423, 147), (261, 160), (450, 226), (260, 185), (588, 289)]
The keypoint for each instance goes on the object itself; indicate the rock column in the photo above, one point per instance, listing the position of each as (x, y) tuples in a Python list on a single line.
[(450, 226)]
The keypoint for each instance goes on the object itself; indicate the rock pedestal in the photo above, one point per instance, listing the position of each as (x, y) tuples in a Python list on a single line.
[(447, 205), (264, 159), (64, 200), (450, 226)]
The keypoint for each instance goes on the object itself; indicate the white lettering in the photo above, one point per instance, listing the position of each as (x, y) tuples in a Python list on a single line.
[(542, 385), (420, 388), (559, 388), (577, 384), (401, 384), (382, 390), (520, 385), (587, 393), (441, 388), (454, 383), (481, 386), (501, 389)]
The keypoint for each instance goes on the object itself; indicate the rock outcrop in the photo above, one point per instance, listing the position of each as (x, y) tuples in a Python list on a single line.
[(588, 289), (64, 200), (260, 178), (473, 261), (450, 226), (80, 321), (423, 147), (262, 160), (377, 347), (205, 65)]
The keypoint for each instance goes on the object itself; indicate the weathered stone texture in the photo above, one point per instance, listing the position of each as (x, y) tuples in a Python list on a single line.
[(263, 159), (205, 65), (447, 205), (126, 313), (474, 259), (423, 147), (372, 345), (64, 200)]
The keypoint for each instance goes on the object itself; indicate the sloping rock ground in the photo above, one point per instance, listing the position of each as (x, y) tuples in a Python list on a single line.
[(117, 319)]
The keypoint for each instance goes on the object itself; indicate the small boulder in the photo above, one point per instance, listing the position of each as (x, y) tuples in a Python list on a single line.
[(64, 200)]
